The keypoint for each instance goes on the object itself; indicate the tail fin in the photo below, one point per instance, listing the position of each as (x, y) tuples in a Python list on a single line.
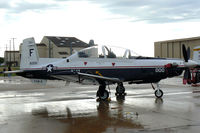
[(29, 53), (196, 54)]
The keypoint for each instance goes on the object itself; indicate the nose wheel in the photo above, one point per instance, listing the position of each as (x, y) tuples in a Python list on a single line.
[(158, 92)]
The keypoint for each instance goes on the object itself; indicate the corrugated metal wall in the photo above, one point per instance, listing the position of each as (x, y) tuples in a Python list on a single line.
[(173, 48)]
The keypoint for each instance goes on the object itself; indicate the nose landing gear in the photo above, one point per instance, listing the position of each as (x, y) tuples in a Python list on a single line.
[(158, 92)]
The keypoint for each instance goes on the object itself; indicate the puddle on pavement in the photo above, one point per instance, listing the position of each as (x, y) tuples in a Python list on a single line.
[(101, 119)]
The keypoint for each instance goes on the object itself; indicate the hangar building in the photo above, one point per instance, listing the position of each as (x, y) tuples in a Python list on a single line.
[(173, 48), (60, 47), (50, 47)]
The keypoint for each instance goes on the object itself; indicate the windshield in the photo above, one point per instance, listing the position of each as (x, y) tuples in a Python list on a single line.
[(102, 51)]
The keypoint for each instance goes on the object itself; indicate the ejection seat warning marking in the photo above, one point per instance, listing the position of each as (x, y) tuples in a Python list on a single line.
[(159, 69)]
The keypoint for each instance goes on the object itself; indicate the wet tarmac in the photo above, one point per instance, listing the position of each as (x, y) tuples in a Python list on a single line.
[(26, 107)]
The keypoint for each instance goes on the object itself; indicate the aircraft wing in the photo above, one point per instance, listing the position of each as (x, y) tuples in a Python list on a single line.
[(60, 77), (100, 77)]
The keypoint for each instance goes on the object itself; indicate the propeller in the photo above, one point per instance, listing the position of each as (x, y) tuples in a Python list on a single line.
[(186, 53), (187, 73), (187, 76)]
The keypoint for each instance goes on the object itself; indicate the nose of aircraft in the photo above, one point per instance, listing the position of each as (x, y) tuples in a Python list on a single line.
[(190, 64)]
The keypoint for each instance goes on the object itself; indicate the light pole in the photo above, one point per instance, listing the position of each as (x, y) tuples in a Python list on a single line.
[(10, 53), (6, 55), (13, 49)]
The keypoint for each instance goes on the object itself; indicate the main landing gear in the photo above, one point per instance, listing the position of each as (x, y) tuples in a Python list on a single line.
[(103, 94), (120, 90), (158, 92)]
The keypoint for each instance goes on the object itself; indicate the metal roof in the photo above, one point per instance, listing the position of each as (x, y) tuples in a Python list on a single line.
[(67, 41), (41, 44), (178, 40)]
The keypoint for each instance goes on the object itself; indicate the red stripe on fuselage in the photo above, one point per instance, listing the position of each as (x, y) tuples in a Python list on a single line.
[(103, 67)]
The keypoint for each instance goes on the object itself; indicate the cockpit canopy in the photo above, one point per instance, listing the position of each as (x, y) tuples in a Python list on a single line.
[(102, 51)]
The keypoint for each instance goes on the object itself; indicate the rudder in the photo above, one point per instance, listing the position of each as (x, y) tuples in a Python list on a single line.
[(29, 53)]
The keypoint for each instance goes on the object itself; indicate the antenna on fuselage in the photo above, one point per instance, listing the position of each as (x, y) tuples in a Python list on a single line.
[(91, 42), (127, 54), (104, 51)]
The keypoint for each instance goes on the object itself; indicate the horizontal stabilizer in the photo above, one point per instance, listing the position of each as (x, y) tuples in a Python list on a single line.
[(16, 71)]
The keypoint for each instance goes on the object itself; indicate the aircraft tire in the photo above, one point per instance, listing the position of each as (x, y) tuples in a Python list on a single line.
[(100, 90), (158, 93), (120, 89), (104, 96)]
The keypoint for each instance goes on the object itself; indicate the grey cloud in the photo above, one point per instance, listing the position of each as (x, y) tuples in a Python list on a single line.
[(4, 4), (154, 11), (22, 6), (34, 7), (12, 11), (151, 11)]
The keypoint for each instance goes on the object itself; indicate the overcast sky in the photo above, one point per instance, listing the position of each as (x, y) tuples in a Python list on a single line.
[(134, 24)]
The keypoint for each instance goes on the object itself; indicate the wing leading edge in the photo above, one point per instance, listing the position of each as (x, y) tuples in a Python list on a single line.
[(86, 75)]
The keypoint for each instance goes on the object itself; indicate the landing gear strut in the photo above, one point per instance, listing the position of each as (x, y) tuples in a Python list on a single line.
[(158, 92), (120, 90)]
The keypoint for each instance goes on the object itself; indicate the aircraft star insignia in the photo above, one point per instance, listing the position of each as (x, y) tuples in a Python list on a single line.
[(49, 68)]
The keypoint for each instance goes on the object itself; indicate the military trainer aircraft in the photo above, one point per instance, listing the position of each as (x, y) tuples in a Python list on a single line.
[(102, 65)]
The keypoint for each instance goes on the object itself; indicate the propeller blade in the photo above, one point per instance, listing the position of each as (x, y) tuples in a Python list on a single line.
[(184, 53), (187, 76), (188, 52)]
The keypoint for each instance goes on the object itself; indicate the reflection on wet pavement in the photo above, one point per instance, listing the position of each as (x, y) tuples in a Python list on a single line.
[(25, 107), (100, 120)]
